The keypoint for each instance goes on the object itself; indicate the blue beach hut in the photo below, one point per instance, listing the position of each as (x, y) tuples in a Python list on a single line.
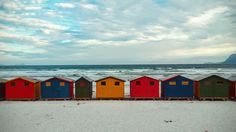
[(57, 88), (177, 87)]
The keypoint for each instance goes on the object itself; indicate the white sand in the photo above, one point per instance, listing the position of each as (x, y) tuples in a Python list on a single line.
[(118, 116)]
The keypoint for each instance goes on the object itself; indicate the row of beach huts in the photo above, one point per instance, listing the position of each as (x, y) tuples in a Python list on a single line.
[(176, 87)]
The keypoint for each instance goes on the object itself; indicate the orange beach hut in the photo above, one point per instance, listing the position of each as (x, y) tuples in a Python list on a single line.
[(110, 87)]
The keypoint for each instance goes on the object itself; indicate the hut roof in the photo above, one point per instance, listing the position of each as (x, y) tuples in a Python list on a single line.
[(86, 78), (202, 77), (174, 76), (61, 78), (110, 77), (143, 77), (30, 79)]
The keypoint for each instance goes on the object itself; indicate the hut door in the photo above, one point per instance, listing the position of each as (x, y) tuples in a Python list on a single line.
[(221, 89), (83, 89)]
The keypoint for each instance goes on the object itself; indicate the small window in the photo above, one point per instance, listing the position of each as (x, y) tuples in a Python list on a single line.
[(48, 84), (62, 83), (103, 83), (82, 84), (152, 83), (185, 82), (138, 83), (13, 84), (117, 83), (26, 84), (172, 83)]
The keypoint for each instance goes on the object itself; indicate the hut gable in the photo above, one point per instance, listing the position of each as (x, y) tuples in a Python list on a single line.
[(174, 77), (33, 80), (60, 78), (205, 77), (110, 77), (140, 78), (85, 78)]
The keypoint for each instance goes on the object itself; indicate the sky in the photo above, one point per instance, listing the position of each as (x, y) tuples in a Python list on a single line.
[(37, 32)]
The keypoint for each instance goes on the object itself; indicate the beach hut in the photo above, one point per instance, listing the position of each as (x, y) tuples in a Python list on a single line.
[(212, 87), (57, 88), (233, 87), (83, 87), (2, 89), (144, 87), (177, 87), (110, 87), (22, 88)]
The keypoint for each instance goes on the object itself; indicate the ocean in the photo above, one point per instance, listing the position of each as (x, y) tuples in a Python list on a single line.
[(126, 72)]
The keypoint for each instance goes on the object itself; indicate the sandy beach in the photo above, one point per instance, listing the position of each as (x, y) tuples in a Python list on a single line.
[(116, 116)]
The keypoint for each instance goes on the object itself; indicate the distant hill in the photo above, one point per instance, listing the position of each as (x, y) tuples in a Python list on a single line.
[(231, 59)]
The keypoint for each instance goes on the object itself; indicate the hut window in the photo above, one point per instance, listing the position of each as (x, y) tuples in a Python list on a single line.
[(151, 83), (103, 83), (185, 82), (117, 83), (13, 84), (82, 84), (26, 84), (62, 83), (137, 82), (48, 84), (172, 83)]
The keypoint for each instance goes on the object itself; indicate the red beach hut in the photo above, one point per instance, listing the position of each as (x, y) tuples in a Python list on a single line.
[(144, 87), (233, 87), (22, 88)]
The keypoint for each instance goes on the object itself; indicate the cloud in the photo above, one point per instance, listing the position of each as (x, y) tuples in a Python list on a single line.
[(89, 6), (106, 32), (206, 17), (33, 22), (13, 48), (65, 5), (18, 5), (207, 50), (18, 37)]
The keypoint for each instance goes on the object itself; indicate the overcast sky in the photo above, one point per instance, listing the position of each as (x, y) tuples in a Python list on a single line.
[(116, 31)]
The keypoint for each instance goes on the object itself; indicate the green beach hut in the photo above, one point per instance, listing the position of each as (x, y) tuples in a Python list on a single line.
[(83, 87), (212, 86)]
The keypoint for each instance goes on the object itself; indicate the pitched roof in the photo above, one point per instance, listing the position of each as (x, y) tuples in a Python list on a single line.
[(2, 80), (143, 77), (86, 78), (174, 76), (110, 77), (202, 77), (33, 80), (60, 78)]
